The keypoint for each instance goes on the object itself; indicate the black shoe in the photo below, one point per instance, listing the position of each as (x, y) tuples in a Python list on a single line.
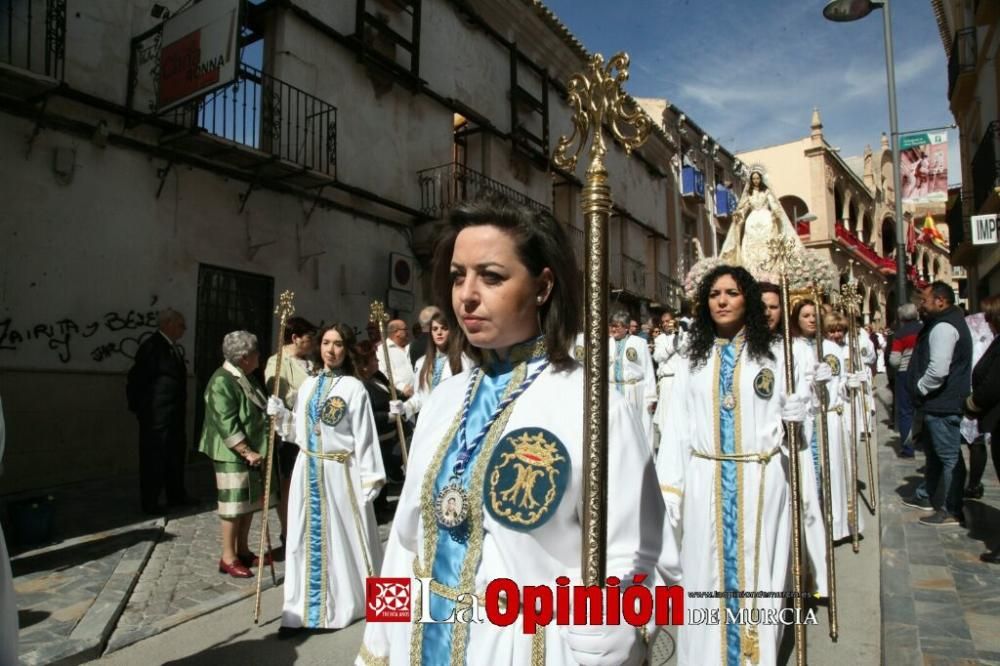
[(974, 492), (907, 452), (991, 557), (942, 519), (917, 503), (290, 632)]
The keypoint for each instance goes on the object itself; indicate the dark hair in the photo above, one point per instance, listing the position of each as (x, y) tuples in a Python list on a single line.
[(702, 331), (454, 354), (298, 326), (991, 310), (769, 288), (793, 325), (351, 364), (750, 186), (541, 243), (943, 290)]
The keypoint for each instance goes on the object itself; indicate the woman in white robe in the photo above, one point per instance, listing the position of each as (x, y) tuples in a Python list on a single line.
[(437, 365), (724, 472), (332, 543), (466, 517), (843, 439)]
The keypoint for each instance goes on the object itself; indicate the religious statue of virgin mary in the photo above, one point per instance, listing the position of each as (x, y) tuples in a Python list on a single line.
[(759, 217)]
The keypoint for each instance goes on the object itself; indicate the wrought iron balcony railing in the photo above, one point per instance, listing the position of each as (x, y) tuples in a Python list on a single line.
[(668, 290), (963, 56), (577, 239), (634, 276), (262, 112), (986, 166), (444, 186), (33, 36)]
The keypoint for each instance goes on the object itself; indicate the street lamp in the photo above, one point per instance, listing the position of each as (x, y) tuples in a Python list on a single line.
[(843, 11)]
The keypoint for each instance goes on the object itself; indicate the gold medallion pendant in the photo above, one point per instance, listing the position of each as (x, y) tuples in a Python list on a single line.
[(527, 477)]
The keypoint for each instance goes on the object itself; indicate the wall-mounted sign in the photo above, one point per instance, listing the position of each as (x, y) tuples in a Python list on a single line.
[(199, 51), (984, 229)]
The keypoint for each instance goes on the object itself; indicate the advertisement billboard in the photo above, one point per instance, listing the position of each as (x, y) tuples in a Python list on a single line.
[(198, 52), (923, 167)]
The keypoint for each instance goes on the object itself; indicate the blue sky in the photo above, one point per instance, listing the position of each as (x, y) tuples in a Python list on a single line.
[(749, 72)]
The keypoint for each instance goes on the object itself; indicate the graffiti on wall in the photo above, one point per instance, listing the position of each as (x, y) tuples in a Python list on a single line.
[(116, 333)]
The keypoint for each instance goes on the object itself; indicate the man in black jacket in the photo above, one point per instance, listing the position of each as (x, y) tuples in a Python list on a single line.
[(940, 376), (157, 395)]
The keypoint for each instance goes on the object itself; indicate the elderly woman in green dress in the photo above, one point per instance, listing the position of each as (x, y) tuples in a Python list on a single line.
[(234, 436)]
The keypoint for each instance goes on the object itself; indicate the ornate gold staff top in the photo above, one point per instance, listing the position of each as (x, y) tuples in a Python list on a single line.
[(597, 100), (284, 310), (377, 315), (781, 255)]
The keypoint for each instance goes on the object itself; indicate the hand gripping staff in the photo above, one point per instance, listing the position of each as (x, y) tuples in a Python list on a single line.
[(284, 310)]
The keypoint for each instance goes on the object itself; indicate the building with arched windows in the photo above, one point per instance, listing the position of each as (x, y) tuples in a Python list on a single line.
[(845, 209)]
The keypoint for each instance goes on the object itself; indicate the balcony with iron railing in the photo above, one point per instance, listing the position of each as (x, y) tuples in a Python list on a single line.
[(260, 123), (986, 171), (577, 239), (32, 46), (444, 186), (634, 276), (669, 291), (863, 250), (961, 65)]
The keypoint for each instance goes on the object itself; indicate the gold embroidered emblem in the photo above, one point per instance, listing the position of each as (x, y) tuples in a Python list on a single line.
[(527, 477), (834, 363), (763, 383), (631, 354), (578, 353), (333, 411)]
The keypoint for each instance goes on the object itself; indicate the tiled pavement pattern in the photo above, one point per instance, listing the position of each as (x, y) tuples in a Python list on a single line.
[(181, 580), (69, 595), (940, 603)]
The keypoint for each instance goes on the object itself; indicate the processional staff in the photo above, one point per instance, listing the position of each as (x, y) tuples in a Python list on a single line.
[(781, 250), (866, 416), (823, 436), (598, 100), (284, 310), (378, 316), (849, 300)]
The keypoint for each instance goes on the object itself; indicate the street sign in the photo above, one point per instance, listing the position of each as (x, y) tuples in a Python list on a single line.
[(984, 229), (199, 51)]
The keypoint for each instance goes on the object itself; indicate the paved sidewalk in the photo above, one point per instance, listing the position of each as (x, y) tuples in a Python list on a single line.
[(940, 603)]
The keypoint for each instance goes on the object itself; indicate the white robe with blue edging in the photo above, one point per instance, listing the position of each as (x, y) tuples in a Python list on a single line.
[(553, 403), (692, 423), (325, 568)]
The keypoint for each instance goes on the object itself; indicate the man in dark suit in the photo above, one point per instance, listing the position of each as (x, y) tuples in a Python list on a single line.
[(157, 395)]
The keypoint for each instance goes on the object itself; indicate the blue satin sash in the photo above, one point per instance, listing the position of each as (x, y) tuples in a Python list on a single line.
[(730, 500), (314, 510), (449, 557), (619, 373)]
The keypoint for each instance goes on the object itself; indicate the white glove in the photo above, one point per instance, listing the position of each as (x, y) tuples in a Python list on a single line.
[(275, 407), (854, 380), (823, 373), (794, 408), (673, 505), (601, 645), (395, 408)]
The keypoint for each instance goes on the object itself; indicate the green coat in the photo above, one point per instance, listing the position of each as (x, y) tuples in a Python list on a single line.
[(234, 411)]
